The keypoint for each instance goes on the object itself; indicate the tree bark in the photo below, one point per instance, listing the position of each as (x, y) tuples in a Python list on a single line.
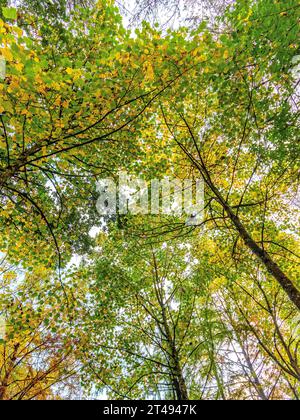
[(272, 267), (291, 290)]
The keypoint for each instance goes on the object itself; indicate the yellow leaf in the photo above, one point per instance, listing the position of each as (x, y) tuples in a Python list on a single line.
[(6, 53), (19, 66), (149, 71)]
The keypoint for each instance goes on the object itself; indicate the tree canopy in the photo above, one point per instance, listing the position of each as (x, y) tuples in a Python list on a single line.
[(149, 306)]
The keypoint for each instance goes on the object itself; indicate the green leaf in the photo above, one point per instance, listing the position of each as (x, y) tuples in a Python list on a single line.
[(9, 13)]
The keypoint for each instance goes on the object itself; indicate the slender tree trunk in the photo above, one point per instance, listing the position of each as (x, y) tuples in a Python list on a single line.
[(272, 267), (255, 380), (178, 379), (176, 373), (175, 366)]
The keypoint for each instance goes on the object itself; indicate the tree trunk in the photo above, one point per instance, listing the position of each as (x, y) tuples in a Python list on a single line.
[(272, 267)]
